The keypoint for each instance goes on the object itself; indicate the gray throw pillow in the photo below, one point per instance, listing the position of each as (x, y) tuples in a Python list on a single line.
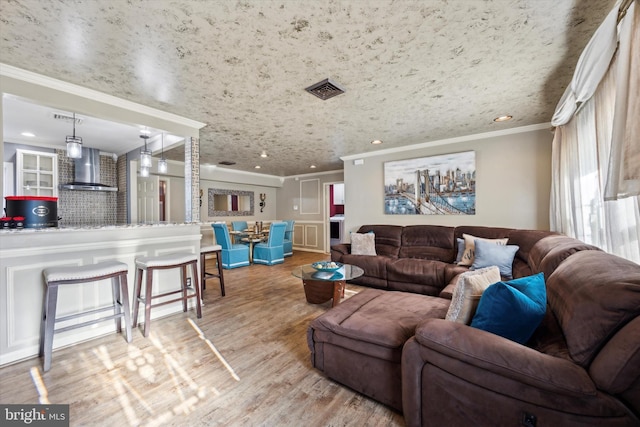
[(363, 244)]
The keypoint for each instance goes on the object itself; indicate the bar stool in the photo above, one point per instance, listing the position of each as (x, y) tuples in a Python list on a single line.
[(164, 262), (204, 251), (56, 276)]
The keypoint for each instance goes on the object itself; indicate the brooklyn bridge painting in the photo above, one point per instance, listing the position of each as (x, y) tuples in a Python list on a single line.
[(436, 185)]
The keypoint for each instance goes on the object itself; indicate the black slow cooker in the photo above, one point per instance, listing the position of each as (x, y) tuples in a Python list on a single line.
[(37, 211)]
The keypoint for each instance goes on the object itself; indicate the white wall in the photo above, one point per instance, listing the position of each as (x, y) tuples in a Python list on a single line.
[(513, 180)]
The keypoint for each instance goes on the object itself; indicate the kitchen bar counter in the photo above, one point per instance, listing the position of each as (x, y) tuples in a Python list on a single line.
[(25, 253)]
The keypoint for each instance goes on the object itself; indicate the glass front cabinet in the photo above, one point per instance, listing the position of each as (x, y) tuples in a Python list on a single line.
[(36, 173)]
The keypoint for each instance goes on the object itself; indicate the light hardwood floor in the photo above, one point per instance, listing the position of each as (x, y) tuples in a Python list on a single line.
[(245, 363)]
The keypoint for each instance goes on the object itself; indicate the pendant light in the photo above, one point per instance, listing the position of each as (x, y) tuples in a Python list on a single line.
[(162, 163), (74, 143), (144, 171), (145, 153)]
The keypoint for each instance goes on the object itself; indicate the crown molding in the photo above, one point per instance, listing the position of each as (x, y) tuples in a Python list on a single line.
[(73, 89), (447, 141)]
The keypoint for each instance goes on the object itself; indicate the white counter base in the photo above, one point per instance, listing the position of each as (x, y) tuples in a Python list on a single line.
[(23, 256)]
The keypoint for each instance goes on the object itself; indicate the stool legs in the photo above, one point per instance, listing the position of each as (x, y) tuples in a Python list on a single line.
[(183, 278), (120, 293), (196, 285), (125, 305), (147, 298), (136, 295), (220, 275), (48, 324)]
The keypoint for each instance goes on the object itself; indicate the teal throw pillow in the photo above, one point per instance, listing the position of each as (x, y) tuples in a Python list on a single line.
[(512, 309), (488, 254)]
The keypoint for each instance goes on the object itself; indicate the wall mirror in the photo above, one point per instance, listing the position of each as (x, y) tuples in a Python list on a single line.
[(230, 202)]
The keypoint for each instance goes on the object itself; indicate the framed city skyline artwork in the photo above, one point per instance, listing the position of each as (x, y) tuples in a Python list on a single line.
[(434, 185)]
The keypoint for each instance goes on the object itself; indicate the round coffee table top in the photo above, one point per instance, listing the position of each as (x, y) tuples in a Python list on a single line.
[(346, 272)]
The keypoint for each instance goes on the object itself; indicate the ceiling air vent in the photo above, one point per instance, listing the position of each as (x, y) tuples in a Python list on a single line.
[(67, 118), (226, 163), (325, 89)]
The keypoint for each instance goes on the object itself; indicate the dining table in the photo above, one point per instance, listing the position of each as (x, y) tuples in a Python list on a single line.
[(252, 236)]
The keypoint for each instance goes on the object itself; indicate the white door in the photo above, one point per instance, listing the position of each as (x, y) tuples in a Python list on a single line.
[(148, 199)]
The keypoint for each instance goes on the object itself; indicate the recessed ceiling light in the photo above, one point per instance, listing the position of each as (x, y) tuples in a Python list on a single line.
[(376, 142), (257, 166), (312, 166), (264, 154), (29, 134), (503, 118)]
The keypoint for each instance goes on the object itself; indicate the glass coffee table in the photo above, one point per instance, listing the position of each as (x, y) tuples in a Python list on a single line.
[(321, 286)]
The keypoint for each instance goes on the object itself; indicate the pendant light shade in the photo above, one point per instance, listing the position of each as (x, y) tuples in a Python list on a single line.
[(144, 171), (74, 143), (162, 163), (145, 153)]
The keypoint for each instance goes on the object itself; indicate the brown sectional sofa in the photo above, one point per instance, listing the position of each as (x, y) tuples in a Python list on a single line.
[(581, 367)]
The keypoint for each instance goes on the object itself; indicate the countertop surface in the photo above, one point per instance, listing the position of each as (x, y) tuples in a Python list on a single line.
[(93, 227)]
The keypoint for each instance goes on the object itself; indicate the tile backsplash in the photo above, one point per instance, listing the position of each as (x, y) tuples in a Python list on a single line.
[(90, 208)]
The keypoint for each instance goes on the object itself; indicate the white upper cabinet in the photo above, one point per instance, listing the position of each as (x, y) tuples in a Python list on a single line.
[(36, 173)]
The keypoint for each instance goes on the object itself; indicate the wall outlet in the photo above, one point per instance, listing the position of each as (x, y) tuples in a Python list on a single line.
[(188, 282)]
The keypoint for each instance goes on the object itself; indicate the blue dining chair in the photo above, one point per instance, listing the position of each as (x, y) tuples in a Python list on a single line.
[(288, 238), (271, 252), (239, 226), (233, 255)]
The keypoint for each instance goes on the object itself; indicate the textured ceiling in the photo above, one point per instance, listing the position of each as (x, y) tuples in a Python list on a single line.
[(413, 71)]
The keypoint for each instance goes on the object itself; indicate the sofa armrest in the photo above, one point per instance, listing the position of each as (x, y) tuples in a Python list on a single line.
[(447, 365), (337, 251), (477, 349)]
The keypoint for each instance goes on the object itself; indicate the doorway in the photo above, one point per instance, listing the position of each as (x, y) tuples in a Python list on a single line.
[(334, 213)]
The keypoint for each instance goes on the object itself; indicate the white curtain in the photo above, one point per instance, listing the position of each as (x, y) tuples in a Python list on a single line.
[(581, 159), (623, 179)]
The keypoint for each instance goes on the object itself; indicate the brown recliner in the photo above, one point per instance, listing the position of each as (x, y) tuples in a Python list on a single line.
[(581, 367)]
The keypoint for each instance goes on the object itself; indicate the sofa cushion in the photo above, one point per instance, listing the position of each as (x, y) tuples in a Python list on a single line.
[(422, 276), (593, 294), (375, 269), (388, 238), (512, 309), (470, 244), (428, 242), (526, 240), (467, 293), (363, 244), (487, 254)]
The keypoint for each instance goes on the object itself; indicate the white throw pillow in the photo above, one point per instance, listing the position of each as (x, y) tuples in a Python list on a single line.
[(468, 291), (469, 247), (363, 244)]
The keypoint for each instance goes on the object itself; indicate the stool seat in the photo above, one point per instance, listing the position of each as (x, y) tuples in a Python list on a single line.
[(165, 260), (54, 277), (209, 249), (83, 272)]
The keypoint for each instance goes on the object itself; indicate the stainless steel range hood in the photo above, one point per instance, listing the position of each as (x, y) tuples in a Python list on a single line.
[(87, 173)]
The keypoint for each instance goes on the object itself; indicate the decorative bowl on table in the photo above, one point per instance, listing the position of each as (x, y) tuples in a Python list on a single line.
[(326, 266)]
